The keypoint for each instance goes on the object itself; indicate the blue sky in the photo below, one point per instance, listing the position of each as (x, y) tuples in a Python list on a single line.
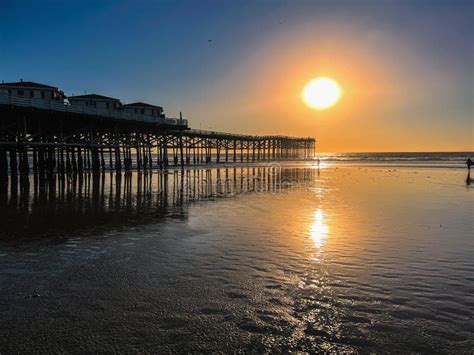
[(158, 51)]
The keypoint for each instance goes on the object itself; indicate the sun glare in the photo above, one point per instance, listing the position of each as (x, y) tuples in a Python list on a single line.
[(321, 93), (319, 229)]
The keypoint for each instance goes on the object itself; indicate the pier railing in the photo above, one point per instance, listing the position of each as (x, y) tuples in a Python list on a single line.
[(234, 136), (12, 100)]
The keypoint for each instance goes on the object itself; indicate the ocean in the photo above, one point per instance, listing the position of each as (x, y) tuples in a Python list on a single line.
[(436, 159)]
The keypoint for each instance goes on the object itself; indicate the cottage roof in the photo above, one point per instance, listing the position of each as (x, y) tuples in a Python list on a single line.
[(140, 105), (28, 84), (93, 97)]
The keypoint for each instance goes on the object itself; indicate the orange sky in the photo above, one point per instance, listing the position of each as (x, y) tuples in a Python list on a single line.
[(390, 99)]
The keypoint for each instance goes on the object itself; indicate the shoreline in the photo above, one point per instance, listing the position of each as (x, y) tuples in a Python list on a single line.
[(275, 163)]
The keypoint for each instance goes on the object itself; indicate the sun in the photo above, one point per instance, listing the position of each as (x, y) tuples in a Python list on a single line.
[(321, 93)]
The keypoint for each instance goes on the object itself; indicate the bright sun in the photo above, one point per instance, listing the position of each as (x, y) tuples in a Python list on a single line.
[(321, 93)]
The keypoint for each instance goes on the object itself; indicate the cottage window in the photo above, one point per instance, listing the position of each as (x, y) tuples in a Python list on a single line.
[(20, 93), (143, 111), (32, 94), (107, 105), (42, 94)]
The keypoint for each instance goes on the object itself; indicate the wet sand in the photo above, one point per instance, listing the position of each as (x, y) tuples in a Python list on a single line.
[(338, 258)]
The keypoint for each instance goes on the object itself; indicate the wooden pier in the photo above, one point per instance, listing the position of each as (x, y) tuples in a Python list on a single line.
[(47, 138)]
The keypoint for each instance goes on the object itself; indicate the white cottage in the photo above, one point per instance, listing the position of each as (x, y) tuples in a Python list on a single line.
[(142, 108), (95, 101), (30, 89)]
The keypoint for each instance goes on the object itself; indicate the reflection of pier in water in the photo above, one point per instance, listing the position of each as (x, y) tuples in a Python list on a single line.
[(61, 204)]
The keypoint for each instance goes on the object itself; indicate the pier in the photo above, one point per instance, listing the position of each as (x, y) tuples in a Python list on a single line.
[(46, 137)]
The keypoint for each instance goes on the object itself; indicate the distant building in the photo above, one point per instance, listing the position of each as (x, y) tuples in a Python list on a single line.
[(144, 109), (95, 101), (30, 89)]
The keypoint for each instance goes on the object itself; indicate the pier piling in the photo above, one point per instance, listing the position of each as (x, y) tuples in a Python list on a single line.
[(67, 143)]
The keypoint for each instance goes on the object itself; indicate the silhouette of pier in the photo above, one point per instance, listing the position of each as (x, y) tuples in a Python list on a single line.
[(47, 137)]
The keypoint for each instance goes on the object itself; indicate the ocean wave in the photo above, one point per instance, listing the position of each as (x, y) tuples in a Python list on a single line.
[(455, 157)]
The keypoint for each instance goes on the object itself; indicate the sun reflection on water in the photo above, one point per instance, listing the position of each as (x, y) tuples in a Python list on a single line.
[(319, 229)]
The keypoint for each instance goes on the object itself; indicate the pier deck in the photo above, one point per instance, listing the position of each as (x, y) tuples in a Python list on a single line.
[(50, 137)]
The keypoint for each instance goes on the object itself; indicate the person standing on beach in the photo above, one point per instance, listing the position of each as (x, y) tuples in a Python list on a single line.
[(469, 164)]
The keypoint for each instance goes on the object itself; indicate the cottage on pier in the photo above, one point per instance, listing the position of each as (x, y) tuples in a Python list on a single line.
[(95, 101), (30, 89), (144, 109)]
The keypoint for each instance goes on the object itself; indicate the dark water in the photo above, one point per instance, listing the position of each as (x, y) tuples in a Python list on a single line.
[(262, 259)]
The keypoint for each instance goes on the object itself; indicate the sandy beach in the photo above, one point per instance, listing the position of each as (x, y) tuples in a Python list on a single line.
[(258, 259)]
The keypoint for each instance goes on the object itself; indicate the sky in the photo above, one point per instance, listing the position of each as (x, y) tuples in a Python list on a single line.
[(406, 68)]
